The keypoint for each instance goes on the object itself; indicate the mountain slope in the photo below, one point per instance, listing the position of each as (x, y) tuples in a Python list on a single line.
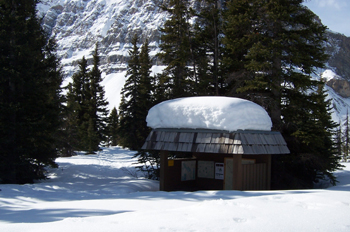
[(79, 24)]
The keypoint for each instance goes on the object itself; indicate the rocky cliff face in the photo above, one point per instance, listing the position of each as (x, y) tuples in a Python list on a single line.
[(79, 24), (339, 49), (341, 86)]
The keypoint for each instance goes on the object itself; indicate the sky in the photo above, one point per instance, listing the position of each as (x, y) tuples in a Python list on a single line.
[(335, 14)]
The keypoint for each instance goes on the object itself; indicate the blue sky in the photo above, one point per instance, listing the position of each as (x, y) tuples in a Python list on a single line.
[(335, 14)]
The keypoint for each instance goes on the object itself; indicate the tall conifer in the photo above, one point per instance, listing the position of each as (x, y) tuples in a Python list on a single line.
[(112, 128), (176, 49), (97, 106), (136, 98), (272, 49), (207, 44), (30, 101), (130, 97)]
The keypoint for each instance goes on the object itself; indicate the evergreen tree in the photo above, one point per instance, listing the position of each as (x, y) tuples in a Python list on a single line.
[(207, 48), (86, 108), (81, 96), (136, 98), (338, 141), (272, 48), (97, 106), (146, 99), (112, 128), (69, 130), (176, 50), (129, 102), (346, 138), (30, 98)]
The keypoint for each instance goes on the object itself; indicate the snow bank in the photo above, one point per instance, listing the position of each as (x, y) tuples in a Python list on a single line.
[(217, 113), (328, 75), (104, 193)]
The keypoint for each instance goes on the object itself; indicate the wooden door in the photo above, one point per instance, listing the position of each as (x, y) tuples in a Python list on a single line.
[(228, 177)]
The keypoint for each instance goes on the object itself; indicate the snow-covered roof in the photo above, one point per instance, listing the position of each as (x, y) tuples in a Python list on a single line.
[(215, 113)]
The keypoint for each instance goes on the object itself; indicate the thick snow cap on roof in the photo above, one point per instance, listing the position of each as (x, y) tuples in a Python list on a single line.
[(216, 113)]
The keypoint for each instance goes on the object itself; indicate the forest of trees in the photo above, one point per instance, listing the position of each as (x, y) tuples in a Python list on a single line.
[(263, 51), (30, 95)]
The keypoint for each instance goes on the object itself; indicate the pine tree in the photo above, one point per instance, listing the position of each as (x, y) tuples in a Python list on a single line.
[(86, 108), (97, 106), (176, 50), (272, 48), (207, 48), (146, 99), (129, 102), (81, 96), (112, 128), (346, 137), (136, 98), (30, 98), (69, 130), (338, 141)]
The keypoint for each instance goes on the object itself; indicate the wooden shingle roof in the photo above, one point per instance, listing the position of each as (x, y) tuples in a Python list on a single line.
[(221, 142)]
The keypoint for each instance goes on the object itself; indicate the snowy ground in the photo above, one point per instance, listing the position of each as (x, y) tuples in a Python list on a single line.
[(103, 192)]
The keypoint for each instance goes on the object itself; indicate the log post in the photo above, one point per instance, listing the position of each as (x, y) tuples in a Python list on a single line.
[(237, 172), (163, 170)]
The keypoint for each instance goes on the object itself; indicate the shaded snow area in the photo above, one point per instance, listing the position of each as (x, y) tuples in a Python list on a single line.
[(220, 113), (103, 192)]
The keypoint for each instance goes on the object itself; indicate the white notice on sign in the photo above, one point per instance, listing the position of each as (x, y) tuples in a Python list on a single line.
[(188, 170), (219, 171)]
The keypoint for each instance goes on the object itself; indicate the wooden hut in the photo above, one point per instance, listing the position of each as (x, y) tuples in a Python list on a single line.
[(219, 160), (235, 155)]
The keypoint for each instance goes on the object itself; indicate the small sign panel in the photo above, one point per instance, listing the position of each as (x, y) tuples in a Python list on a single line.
[(206, 169), (219, 171), (188, 170), (170, 163)]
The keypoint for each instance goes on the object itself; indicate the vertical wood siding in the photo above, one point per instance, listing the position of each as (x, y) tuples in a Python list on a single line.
[(254, 176)]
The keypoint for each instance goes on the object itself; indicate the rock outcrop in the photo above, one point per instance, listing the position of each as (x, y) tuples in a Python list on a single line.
[(341, 86)]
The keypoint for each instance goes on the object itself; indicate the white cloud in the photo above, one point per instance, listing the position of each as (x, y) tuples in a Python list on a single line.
[(337, 4)]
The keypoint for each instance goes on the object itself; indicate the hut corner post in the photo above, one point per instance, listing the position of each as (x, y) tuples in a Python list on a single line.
[(237, 172), (163, 167), (268, 187)]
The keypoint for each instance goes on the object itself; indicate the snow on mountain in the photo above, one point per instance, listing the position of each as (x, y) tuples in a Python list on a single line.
[(79, 24)]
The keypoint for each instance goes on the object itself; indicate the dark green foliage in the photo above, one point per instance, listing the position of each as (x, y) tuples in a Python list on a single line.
[(69, 130), (309, 136), (207, 46), (136, 98), (150, 163), (97, 107), (112, 128), (176, 50), (345, 138), (30, 100), (86, 114), (272, 48)]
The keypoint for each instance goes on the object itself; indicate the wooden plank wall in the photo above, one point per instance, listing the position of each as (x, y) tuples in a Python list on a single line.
[(254, 176)]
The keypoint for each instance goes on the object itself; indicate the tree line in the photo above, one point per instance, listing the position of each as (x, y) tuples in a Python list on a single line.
[(262, 50)]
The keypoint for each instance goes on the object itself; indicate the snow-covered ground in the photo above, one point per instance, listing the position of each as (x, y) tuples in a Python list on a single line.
[(104, 192)]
